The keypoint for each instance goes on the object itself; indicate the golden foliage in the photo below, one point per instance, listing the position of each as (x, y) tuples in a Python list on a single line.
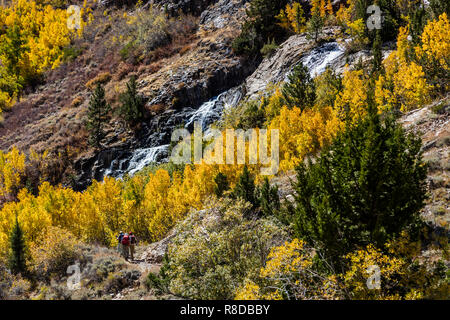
[(32, 38), (289, 273), (404, 272), (355, 279), (404, 84), (410, 86), (433, 52), (54, 252), (304, 132), (351, 102), (292, 18), (97, 214), (356, 30), (435, 42), (252, 291), (12, 166), (321, 7)]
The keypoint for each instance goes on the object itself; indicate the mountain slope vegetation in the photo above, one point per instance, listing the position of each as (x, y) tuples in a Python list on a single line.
[(362, 116)]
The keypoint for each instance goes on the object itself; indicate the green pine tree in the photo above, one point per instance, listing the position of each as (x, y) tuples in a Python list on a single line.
[(98, 115), (252, 117), (222, 184), (377, 60), (300, 90), (327, 84), (269, 200), (367, 187), (245, 188), (418, 18), (17, 257), (314, 26), (260, 25), (132, 104)]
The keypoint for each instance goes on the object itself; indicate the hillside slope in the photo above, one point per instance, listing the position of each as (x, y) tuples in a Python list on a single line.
[(83, 156)]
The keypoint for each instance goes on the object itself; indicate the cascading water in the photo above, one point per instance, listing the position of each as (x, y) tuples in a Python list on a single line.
[(212, 110), (206, 114), (318, 59), (145, 156), (139, 159)]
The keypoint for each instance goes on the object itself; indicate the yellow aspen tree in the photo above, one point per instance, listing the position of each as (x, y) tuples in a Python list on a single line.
[(329, 8), (435, 42), (12, 166), (351, 102), (292, 18), (410, 87), (323, 12)]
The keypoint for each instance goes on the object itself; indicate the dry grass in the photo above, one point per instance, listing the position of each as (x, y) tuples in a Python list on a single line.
[(101, 78)]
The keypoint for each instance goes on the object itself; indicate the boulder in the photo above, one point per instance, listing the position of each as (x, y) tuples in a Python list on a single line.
[(156, 251)]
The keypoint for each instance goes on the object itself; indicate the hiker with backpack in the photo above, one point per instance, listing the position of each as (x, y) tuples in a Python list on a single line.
[(133, 243), (119, 244), (126, 246)]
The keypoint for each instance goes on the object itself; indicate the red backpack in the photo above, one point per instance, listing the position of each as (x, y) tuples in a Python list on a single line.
[(125, 240)]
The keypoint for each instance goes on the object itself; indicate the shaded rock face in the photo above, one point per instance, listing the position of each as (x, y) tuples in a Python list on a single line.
[(93, 167), (152, 143), (191, 85), (174, 7), (222, 13)]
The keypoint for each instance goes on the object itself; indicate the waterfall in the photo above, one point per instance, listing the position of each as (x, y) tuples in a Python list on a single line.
[(137, 161), (206, 114), (321, 57), (212, 110), (146, 156)]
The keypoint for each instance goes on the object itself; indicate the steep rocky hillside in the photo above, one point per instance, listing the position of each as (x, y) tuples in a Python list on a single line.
[(433, 124), (175, 79)]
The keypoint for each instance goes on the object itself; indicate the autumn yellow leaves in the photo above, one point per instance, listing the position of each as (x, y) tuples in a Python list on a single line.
[(413, 72), (149, 205), (32, 38)]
